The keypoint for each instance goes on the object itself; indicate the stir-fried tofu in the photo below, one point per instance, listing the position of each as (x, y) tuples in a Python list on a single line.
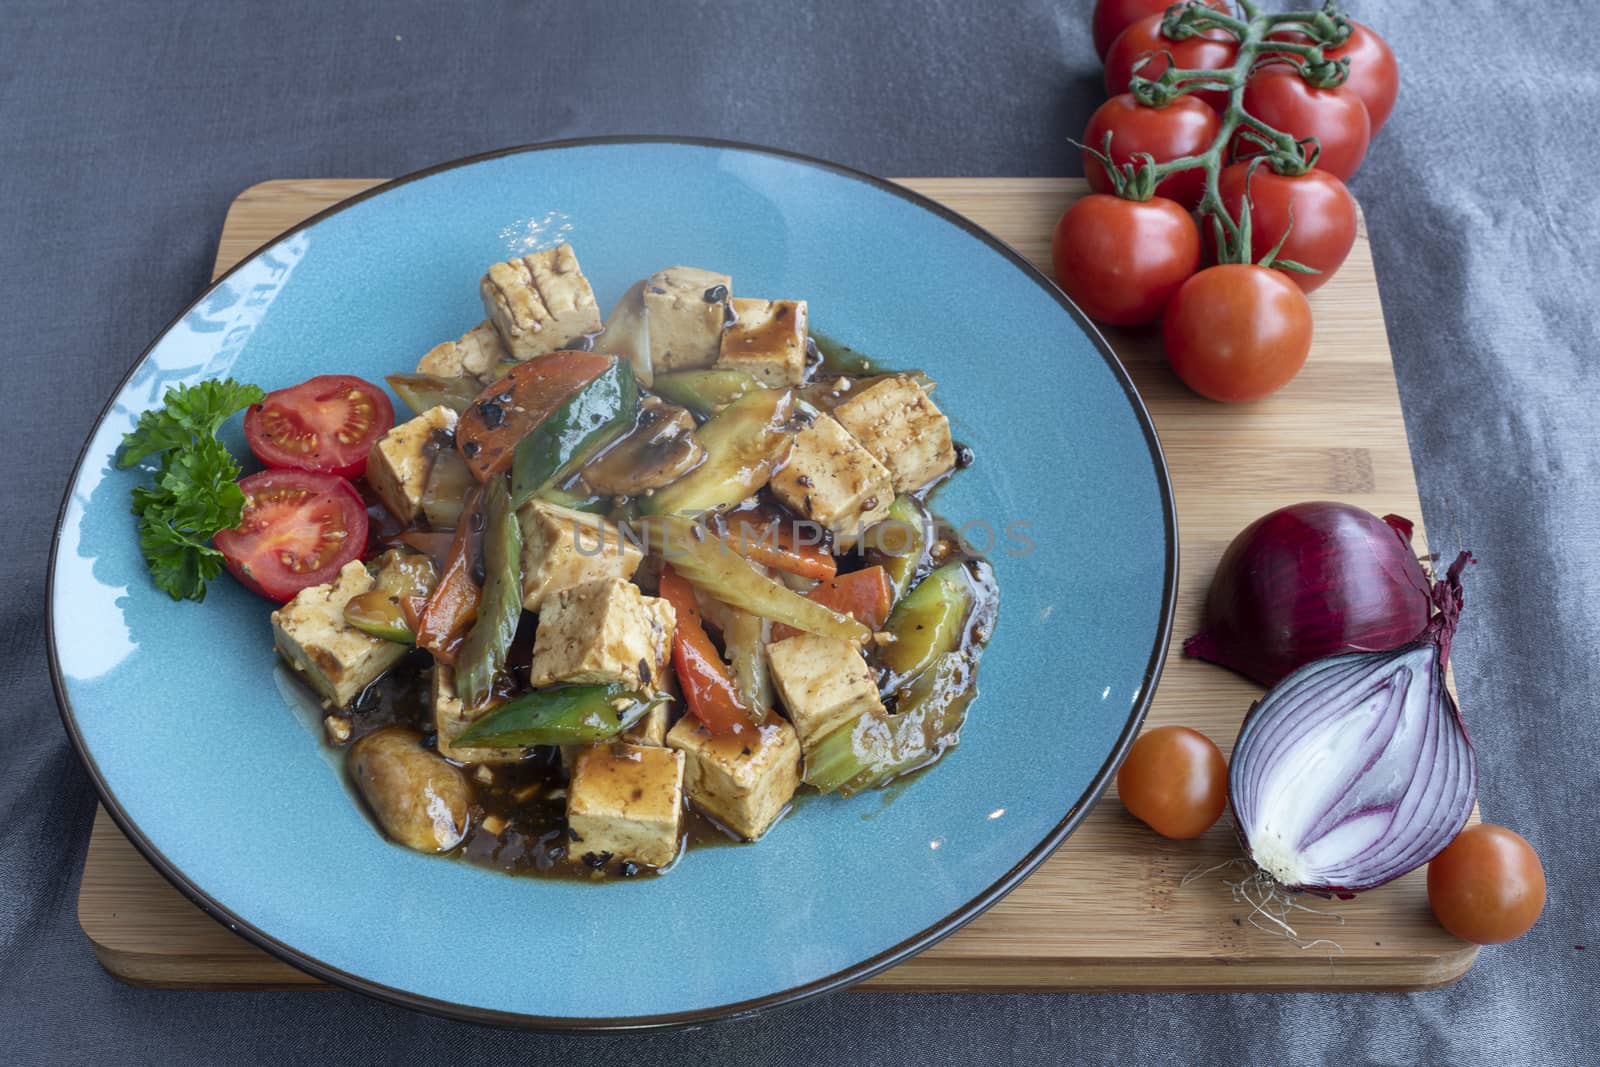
[(832, 480), (744, 781), (687, 309), (625, 802), (824, 684), (562, 548), (451, 718), (476, 355), (894, 419), (602, 632), (540, 302), (767, 341), (652, 729), (398, 464), (338, 660)]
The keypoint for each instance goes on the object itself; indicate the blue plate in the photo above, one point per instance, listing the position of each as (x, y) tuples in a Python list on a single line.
[(212, 761)]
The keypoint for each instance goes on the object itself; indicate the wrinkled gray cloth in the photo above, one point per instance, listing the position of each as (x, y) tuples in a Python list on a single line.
[(126, 129)]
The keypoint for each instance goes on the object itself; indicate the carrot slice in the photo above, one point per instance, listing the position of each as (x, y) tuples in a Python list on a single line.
[(864, 594), (774, 544), (453, 606)]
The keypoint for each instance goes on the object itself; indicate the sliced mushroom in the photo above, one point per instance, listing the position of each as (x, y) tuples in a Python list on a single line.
[(420, 800), (660, 449)]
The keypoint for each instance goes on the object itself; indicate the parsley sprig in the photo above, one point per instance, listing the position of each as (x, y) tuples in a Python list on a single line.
[(195, 492)]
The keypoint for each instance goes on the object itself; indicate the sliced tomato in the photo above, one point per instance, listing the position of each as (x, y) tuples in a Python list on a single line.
[(508, 410), (327, 424), (298, 529)]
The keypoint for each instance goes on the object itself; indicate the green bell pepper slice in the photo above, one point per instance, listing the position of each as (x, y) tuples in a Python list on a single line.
[(562, 715), (560, 445)]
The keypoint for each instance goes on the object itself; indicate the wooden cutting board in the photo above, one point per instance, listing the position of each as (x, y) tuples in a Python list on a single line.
[(1111, 910)]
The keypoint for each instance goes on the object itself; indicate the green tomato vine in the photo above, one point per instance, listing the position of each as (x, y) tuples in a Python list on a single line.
[(1327, 28)]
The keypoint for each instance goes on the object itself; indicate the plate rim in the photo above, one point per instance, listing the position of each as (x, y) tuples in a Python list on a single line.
[(838, 980)]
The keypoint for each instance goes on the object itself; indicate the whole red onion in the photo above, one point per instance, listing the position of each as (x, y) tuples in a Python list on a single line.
[(1308, 581)]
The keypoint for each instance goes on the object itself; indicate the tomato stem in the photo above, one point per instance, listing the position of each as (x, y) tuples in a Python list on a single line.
[(1325, 29)]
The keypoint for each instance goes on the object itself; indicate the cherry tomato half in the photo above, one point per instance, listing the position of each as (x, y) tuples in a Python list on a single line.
[(1237, 332), (299, 528), (1212, 50), (1175, 781), (1337, 118), (1121, 260), (1314, 209), (1374, 74), (1487, 886), (326, 424), (1111, 17), (1185, 127)]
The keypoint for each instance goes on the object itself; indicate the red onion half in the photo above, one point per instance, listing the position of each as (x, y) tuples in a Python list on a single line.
[(1308, 581), (1357, 768)]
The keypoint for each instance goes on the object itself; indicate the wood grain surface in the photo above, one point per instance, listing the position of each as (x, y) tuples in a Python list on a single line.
[(1111, 910)]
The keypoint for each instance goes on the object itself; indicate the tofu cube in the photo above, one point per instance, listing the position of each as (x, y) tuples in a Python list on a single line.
[(562, 548), (399, 462), (652, 729), (451, 718), (686, 309), (540, 302), (338, 660), (625, 802), (832, 480), (602, 632), (894, 419), (744, 781), (768, 341), (477, 355), (824, 683)]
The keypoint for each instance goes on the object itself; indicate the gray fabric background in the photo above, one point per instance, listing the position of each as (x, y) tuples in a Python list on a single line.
[(125, 130)]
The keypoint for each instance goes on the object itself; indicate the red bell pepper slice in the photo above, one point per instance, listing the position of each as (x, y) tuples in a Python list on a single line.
[(708, 689), (507, 411)]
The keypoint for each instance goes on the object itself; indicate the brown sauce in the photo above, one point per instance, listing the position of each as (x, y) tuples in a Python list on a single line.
[(518, 810)]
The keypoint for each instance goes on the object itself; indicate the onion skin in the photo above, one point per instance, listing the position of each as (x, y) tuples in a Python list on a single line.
[(1307, 581)]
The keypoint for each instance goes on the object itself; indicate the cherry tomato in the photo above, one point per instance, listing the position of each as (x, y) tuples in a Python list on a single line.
[(1237, 332), (1212, 50), (1175, 781), (1487, 886), (1111, 17), (1121, 260), (328, 424), (299, 528), (1337, 118), (1184, 127), (1374, 74), (1323, 213)]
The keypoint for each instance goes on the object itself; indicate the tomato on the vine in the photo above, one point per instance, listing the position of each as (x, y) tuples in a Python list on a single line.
[(1211, 50), (1111, 17), (1185, 127), (1374, 74), (1487, 886), (1314, 209), (1337, 118), (328, 423), (1121, 260), (1237, 331), (1175, 781), (298, 529)]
